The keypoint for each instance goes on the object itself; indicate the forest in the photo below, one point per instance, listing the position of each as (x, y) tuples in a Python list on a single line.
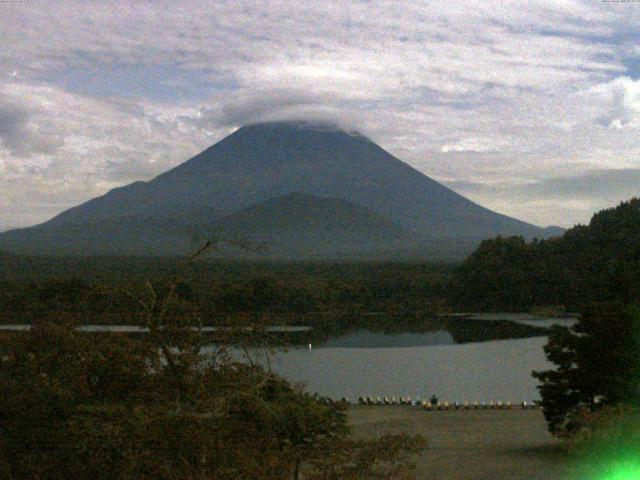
[(595, 262), (108, 290), (589, 263)]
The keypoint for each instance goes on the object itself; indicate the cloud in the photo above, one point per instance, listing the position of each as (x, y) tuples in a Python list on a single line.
[(106, 143), (476, 145), (584, 192), (20, 135), (271, 105), (621, 101), (469, 91), (584, 185)]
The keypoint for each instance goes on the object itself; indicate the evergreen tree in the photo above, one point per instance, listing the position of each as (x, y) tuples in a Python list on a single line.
[(597, 364)]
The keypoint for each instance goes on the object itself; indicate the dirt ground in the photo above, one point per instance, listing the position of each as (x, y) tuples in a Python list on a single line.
[(470, 444)]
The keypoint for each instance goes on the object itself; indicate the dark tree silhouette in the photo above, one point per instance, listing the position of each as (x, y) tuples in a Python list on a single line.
[(597, 364)]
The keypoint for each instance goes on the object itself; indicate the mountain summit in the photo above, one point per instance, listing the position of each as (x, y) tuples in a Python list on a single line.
[(329, 169)]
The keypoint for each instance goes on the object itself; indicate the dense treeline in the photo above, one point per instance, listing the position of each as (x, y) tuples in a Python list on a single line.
[(595, 262), (332, 298), (108, 290)]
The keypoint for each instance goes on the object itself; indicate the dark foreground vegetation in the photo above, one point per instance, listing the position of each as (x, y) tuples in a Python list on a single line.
[(109, 406), (78, 406), (597, 364), (592, 396)]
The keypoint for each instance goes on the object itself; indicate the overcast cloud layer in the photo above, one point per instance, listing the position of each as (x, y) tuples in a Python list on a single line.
[(529, 108)]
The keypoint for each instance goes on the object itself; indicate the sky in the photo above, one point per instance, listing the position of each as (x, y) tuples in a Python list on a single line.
[(530, 108)]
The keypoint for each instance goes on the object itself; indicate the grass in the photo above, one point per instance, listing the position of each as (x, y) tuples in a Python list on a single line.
[(470, 444)]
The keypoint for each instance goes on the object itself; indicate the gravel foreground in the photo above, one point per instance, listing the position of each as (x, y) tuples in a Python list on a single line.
[(470, 444)]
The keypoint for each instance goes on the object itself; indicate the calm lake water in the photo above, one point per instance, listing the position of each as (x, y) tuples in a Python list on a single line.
[(485, 371), (364, 363)]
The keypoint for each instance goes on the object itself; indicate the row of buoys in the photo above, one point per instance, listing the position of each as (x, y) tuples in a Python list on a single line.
[(468, 406), (385, 401), (478, 406), (499, 405)]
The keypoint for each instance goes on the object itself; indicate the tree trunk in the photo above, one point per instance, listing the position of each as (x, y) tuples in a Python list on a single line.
[(296, 469)]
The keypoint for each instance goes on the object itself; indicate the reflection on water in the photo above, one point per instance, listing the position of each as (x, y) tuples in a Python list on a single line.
[(457, 358), (486, 371), (525, 319), (367, 339), (434, 331)]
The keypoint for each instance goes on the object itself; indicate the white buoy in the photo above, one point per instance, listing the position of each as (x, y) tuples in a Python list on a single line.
[(309, 346)]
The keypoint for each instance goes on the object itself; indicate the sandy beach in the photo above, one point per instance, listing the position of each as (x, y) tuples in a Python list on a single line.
[(470, 444)]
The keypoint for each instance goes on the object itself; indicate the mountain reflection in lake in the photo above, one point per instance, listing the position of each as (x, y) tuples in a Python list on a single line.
[(433, 331), (367, 339), (457, 359)]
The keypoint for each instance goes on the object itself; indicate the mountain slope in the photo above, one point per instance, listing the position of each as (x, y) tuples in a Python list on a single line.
[(250, 166), (294, 225), (303, 225)]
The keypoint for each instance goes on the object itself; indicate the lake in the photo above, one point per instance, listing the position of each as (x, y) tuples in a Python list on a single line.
[(419, 364), (484, 371), (463, 358)]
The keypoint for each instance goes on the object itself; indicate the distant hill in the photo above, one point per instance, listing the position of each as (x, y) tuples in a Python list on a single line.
[(553, 231), (595, 262), (242, 183), (310, 226)]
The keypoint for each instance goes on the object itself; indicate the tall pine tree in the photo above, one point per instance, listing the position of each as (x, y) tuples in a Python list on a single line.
[(597, 363)]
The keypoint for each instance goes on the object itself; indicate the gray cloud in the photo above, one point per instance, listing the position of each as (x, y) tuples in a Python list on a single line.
[(268, 105), (592, 184), (599, 184), (20, 135), (583, 193)]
